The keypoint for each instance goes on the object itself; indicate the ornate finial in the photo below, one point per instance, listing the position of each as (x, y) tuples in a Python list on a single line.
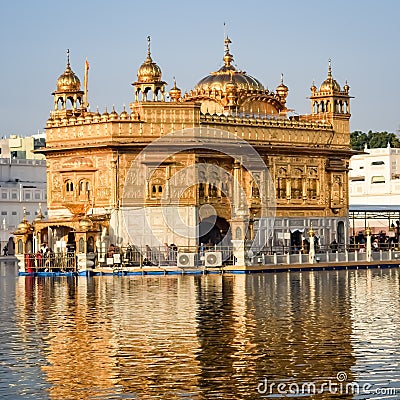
[(40, 215), (174, 82), (227, 42), (228, 56), (282, 78), (311, 231), (148, 46), (329, 68), (313, 88), (67, 57)]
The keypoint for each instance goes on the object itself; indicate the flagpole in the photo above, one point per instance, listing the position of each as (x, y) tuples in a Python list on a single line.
[(86, 104)]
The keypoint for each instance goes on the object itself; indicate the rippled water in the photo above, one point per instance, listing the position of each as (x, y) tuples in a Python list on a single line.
[(199, 337)]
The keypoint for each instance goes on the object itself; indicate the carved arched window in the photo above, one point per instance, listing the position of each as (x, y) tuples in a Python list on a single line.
[(281, 184), (84, 188), (69, 188), (312, 188), (156, 188), (81, 245), (90, 245), (296, 184)]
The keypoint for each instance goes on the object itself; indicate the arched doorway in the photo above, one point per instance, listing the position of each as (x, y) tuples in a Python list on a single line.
[(213, 230), (340, 232), (71, 243), (296, 238)]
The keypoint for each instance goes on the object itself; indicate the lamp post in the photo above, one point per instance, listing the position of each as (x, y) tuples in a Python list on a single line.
[(311, 253), (368, 234)]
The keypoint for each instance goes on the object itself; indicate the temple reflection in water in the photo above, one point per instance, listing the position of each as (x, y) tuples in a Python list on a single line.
[(201, 336)]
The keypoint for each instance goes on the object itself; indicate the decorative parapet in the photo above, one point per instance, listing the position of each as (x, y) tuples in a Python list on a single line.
[(263, 121), (57, 121)]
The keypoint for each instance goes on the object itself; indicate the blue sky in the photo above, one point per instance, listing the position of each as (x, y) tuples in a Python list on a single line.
[(293, 37)]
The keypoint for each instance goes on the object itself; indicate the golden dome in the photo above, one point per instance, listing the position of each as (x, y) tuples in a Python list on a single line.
[(24, 226), (149, 71), (175, 92), (282, 90), (329, 84), (40, 215), (113, 114), (124, 115), (68, 81), (228, 74)]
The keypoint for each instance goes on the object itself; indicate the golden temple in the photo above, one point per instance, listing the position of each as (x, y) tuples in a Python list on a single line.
[(91, 185)]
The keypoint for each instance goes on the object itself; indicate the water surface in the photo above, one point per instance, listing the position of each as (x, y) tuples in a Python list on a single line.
[(198, 337)]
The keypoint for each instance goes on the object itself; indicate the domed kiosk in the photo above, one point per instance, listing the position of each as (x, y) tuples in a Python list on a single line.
[(229, 88)]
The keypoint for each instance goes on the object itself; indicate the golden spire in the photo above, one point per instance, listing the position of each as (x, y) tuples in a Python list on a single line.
[(149, 71), (175, 92), (329, 84), (311, 232), (228, 56), (148, 49), (282, 90)]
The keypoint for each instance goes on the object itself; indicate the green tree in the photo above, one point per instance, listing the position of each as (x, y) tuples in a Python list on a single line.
[(358, 140), (373, 140)]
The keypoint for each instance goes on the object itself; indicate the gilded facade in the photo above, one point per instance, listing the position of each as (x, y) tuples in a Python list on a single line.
[(90, 154)]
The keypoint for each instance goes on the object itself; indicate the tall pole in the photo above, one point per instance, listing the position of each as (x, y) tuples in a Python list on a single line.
[(369, 249), (311, 253), (86, 103)]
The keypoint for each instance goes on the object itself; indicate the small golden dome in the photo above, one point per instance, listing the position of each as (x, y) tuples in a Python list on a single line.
[(24, 226), (40, 215), (113, 114), (124, 115), (68, 81), (175, 92), (313, 88), (282, 90), (329, 84), (149, 71), (97, 116)]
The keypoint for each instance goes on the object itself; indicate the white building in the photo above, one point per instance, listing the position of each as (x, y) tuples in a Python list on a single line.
[(20, 147), (374, 188), (22, 182)]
